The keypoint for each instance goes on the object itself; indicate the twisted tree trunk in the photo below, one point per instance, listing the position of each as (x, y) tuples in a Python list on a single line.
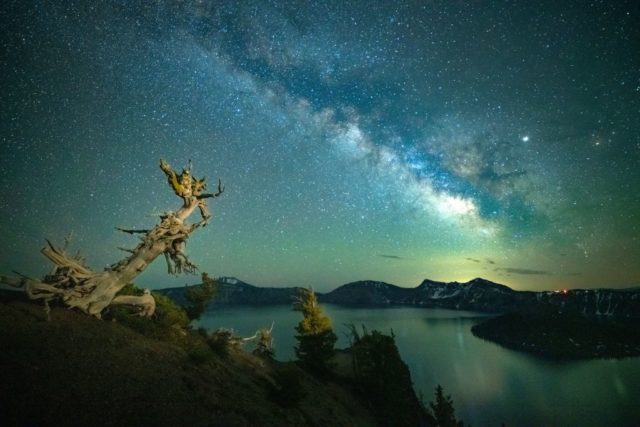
[(75, 285)]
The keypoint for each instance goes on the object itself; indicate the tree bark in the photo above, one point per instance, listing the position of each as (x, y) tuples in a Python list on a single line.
[(77, 286)]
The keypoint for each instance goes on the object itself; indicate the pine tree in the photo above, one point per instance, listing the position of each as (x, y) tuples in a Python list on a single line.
[(383, 379), (443, 410), (315, 334), (199, 297)]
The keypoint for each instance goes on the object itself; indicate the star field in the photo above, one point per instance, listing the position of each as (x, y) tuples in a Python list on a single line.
[(393, 141)]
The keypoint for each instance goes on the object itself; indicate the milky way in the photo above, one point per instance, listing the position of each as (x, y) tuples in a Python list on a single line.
[(393, 141)]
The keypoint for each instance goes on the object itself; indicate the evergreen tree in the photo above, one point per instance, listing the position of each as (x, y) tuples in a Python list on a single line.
[(384, 380), (199, 297), (443, 410), (315, 334)]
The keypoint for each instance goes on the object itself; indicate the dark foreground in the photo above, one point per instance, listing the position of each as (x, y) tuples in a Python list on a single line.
[(77, 370)]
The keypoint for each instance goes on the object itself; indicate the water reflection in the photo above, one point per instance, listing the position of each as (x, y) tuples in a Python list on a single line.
[(489, 384)]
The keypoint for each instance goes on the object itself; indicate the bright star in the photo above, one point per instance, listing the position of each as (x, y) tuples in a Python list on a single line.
[(525, 138)]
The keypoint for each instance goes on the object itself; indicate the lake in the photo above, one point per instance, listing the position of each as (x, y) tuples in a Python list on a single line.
[(489, 384)]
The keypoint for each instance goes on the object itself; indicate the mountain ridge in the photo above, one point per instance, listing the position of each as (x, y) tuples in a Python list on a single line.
[(476, 295)]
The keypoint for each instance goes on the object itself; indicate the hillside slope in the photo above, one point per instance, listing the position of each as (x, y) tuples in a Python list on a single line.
[(78, 370)]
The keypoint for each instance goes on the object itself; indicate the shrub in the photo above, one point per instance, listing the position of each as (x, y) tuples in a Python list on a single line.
[(221, 341), (169, 322)]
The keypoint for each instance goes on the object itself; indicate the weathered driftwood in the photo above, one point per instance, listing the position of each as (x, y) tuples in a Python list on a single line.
[(263, 335), (264, 346), (76, 285)]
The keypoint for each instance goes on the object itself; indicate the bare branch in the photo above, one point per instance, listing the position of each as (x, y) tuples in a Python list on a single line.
[(67, 241), (22, 275), (132, 231), (216, 194)]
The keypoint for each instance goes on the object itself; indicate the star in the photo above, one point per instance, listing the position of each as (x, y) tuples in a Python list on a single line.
[(336, 129)]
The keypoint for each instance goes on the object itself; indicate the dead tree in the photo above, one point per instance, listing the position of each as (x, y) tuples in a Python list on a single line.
[(264, 346), (77, 286)]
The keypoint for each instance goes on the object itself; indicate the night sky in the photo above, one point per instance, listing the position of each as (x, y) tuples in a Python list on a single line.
[(382, 140)]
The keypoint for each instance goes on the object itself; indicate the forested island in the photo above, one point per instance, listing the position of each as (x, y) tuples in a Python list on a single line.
[(556, 336)]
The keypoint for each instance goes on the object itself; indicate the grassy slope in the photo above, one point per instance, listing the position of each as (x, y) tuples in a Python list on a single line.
[(78, 370)]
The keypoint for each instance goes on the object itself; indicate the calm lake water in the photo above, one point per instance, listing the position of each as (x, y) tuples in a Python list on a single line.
[(489, 384)]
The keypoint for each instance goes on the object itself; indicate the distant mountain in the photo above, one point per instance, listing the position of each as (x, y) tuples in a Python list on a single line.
[(486, 296), (235, 291), (368, 292), (476, 295), (593, 302)]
